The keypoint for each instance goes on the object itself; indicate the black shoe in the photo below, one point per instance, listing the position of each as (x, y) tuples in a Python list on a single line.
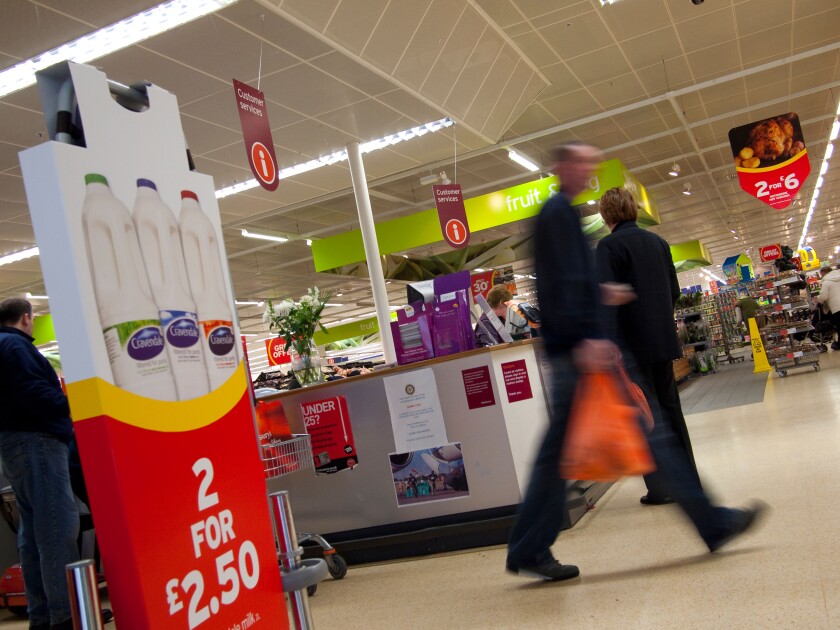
[(549, 570), (744, 520), (107, 615), (649, 500), (64, 625)]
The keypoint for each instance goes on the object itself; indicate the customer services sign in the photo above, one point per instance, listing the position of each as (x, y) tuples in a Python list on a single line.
[(176, 484)]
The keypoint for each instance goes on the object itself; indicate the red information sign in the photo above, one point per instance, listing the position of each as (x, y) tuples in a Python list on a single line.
[(256, 131), (771, 159), (453, 217), (481, 283), (275, 349), (328, 423), (478, 387), (517, 382), (770, 252)]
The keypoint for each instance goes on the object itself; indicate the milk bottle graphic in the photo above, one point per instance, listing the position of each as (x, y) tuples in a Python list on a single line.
[(128, 314), (160, 244), (207, 281)]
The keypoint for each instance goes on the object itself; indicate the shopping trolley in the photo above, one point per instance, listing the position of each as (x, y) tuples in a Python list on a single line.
[(283, 457)]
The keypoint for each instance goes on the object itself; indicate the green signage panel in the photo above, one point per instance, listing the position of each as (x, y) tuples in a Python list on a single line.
[(690, 255), (346, 331), (483, 212)]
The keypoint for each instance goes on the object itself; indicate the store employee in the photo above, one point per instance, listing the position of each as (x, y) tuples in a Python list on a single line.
[(496, 299)]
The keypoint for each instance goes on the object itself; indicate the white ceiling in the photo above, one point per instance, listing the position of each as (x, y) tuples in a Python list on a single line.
[(652, 82)]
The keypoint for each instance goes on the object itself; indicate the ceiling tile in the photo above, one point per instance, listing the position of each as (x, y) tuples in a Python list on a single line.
[(474, 74), (618, 90), (202, 136), (315, 13), (571, 106), (534, 117), (805, 8), (752, 16), (715, 61), (454, 56), (19, 20), (628, 20), (578, 36), (660, 78), (768, 45), (502, 12), (366, 121), (349, 71), (498, 121), (494, 85), (539, 11), (816, 29), (536, 49), (394, 30), (352, 23), (304, 89), (602, 65), (277, 29), (411, 106), (640, 53), (707, 30)]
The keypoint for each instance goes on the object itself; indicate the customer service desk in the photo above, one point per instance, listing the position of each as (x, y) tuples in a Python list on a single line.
[(498, 442)]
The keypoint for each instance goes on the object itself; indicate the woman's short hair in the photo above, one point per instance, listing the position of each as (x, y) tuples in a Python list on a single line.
[(498, 295), (618, 205)]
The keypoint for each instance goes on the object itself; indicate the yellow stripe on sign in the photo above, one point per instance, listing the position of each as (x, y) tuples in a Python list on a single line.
[(95, 397)]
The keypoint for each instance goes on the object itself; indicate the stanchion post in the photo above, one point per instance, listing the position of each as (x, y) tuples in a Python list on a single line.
[(84, 595), (290, 554)]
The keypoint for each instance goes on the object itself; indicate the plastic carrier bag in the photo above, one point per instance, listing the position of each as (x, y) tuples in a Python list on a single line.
[(604, 439)]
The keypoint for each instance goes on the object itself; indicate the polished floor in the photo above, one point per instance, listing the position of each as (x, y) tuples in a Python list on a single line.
[(643, 567)]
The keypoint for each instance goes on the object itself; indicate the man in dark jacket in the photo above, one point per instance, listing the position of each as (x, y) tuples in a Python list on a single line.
[(35, 430), (645, 327)]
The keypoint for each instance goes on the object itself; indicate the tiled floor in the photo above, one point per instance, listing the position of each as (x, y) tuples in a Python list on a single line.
[(643, 567), (732, 384)]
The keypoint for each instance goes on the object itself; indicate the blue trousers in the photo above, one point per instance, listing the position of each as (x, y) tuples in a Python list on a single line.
[(543, 514), (36, 464)]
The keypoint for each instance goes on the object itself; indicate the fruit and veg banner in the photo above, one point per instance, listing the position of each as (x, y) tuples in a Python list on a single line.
[(157, 387), (771, 159)]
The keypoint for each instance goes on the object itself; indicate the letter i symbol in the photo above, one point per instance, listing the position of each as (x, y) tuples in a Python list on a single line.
[(262, 161), (457, 235)]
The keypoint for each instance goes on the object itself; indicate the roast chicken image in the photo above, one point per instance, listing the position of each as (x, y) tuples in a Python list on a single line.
[(771, 139)]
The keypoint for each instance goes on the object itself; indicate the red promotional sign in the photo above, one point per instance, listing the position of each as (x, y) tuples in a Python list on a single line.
[(771, 159), (256, 131), (517, 382), (453, 217), (770, 252), (481, 283), (478, 387), (328, 423), (274, 348)]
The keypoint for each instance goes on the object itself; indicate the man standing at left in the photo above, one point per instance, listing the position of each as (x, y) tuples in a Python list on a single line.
[(35, 430)]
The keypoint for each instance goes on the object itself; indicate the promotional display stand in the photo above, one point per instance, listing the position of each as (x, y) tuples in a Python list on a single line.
[(157, 387)]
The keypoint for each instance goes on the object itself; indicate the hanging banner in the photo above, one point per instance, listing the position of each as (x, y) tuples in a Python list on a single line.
[(328, 423), (771, 159), (275, 349), (770, 252), (256, 131), (452, 215), (159, 396)]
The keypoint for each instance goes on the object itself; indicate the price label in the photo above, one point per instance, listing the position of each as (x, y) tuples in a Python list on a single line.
[(237, 564), (787, 307)]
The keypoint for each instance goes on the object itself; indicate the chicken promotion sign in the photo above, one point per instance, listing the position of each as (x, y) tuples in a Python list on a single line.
[(771, 159)]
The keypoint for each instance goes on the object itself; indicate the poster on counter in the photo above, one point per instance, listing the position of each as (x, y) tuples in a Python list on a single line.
[(517, 381), (416, 416), (478, 387), (328, 423), (430, 474)]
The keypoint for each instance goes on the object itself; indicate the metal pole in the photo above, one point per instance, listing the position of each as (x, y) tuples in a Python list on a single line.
[(84, 596), (290, 553), (374, 262)]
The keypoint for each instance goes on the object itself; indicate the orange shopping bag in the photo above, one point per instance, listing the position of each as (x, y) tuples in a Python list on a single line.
[(604, 440)]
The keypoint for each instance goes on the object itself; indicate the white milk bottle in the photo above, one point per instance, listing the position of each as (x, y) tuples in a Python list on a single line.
[(160, 243), (128, 314), (207, 281)]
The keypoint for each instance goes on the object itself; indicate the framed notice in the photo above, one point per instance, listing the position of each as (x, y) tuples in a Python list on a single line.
[(478, 387), (517, 381)]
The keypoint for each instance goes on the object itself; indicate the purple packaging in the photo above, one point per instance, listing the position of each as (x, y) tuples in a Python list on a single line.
[(452, 326), (412, 334)]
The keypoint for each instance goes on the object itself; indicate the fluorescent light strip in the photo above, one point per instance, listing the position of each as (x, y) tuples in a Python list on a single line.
[(248, 303), (105, 41), (340, 156), (523, 161), (29, 296), (264, 237), (22, 255)]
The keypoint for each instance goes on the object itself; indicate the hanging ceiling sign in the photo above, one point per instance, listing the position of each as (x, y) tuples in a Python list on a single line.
[(452, 215), (253, 115), (771, 159), (770, 252)]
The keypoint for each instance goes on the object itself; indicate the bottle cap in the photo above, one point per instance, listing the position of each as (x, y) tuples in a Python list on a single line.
[(188, 194), (95, 178), (148, 183)]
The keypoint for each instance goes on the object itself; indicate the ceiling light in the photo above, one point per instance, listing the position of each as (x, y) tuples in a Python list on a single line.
[(479, 269), (523, 161), (29, 296), (810, 239), (309, 242), (339, 294), (606, 3), (26, 253), (835, 129), (264, 237), (591, 202), (675, 170), (246, 303), (687, 188), (250, 334), (331, 304), (109, 39), (340, 156)]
